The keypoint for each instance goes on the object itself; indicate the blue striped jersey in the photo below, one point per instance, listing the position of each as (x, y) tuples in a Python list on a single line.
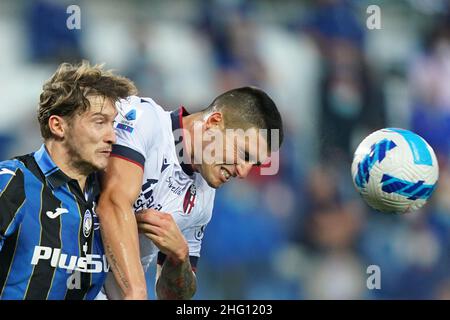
[(50, 244)]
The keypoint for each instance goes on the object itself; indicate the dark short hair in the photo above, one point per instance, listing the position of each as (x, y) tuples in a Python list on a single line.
[(66, 92), (248, 107)]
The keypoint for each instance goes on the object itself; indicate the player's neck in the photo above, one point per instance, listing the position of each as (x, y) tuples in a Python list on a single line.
[(189, 125), (63, 160)]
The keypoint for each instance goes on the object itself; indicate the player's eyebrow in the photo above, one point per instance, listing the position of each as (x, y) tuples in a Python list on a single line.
[(103, 115), (98, 114)]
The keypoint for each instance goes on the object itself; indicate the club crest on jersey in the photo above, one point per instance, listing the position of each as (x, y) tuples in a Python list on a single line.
[(189, 199), (87, 223)]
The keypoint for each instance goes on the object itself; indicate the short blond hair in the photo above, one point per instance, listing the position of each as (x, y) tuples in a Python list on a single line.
[(66, 92)]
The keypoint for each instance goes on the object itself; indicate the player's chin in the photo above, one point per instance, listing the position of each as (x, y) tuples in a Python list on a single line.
[(100, 163), (214, 183)]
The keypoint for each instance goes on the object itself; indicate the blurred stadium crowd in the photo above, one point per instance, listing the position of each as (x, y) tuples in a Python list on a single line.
[(304, 233)]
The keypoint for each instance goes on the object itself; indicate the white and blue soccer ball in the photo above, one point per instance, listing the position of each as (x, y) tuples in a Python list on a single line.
[(395, 170)]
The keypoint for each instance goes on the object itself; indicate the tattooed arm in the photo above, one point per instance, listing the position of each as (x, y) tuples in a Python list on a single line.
[(175, 278), (121, 186)]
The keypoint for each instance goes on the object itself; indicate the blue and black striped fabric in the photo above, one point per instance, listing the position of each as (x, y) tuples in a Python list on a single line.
[(50, 245)]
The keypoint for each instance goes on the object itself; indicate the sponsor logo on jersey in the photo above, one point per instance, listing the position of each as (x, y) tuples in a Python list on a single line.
[(146, 200), (92, 263), (189, 199), (175, 186)]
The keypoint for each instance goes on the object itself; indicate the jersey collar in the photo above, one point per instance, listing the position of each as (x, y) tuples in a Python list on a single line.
[(51, 171), (177, 123), (57, 178)]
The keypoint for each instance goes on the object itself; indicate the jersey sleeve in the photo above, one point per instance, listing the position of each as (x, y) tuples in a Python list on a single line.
[(12, 198), (137, 128)]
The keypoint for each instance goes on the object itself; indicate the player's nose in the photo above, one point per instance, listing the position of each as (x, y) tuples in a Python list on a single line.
[(243, 169), (110, 136)]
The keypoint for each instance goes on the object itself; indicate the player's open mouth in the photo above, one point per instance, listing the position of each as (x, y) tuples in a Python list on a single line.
[(225, 174)]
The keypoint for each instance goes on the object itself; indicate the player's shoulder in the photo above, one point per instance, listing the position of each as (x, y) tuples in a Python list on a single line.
[(142, 113), (11, 164), (133, 108), (10, 169)]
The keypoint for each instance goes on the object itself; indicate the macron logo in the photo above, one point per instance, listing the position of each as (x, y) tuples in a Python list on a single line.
[(7, 171), (57, 213), (164, 165)]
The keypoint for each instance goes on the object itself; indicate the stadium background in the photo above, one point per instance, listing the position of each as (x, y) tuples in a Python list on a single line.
[(303, 234)]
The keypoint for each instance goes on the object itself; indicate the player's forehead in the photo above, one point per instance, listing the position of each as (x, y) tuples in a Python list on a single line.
[(100, 105)]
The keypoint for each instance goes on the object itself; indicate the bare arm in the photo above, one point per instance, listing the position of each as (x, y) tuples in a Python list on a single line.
[(121, 186), (175, 278)]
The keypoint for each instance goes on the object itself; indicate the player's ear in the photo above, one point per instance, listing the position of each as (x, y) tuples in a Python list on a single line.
[(214, 120), (56, 125)]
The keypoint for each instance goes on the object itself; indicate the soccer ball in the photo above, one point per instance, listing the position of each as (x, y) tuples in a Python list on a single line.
[(395, 170)]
